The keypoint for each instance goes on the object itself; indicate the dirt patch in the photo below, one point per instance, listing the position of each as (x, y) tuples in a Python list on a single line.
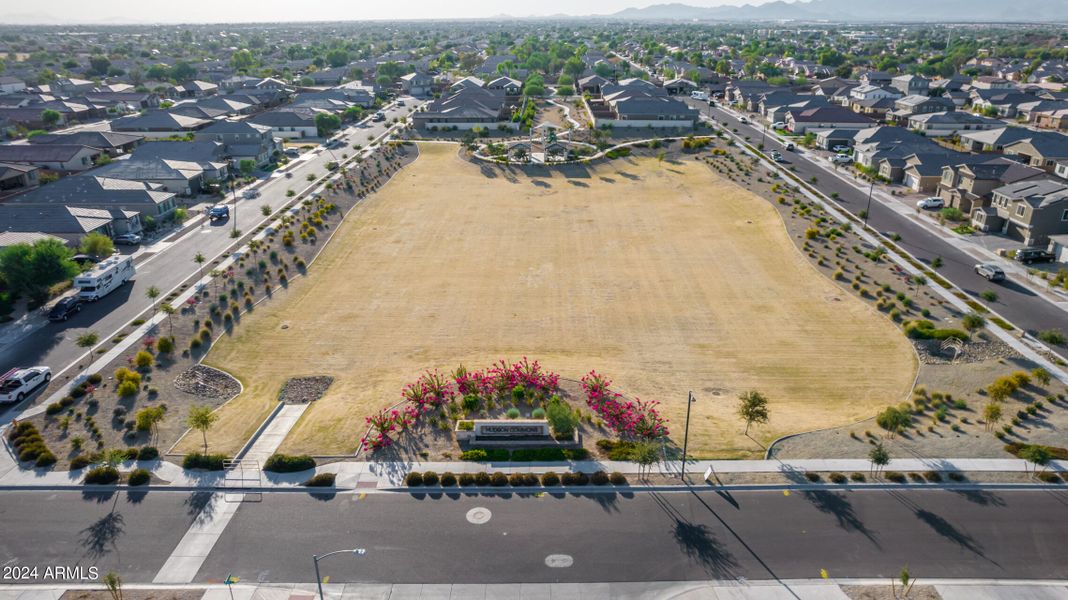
[(300, 390), (885, 592), (660, 274)]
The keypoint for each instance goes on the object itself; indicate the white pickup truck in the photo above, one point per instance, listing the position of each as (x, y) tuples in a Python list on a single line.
[(16, 384)]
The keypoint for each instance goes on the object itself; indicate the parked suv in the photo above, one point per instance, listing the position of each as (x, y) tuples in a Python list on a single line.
[(1033, 255), (219, 212), (990, 271), (71, 305)]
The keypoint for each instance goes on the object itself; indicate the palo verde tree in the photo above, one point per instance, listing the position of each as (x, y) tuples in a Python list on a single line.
[(879, 458), (752, 408), (201, 418)]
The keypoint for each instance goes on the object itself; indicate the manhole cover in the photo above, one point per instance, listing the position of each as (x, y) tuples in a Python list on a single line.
[(479, 515)]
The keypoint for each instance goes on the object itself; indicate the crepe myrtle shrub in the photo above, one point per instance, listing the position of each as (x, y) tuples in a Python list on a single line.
[(629, 418)]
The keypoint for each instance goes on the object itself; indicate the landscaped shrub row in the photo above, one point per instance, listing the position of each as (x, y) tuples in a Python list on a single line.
[(284, 463), (525, 454), (84, 460), (102, 476), (208, 462), (30, 446), (321, 480), (1056, 453), (499, 479)]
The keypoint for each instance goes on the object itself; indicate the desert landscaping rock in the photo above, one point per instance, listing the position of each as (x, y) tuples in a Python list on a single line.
[(300, 390), (207, 382), (930, 352)]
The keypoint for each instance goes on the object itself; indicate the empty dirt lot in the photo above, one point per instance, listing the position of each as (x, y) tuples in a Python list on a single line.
[(659, 275)]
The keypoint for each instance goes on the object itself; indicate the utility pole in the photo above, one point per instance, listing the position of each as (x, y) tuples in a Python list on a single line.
[(686, 436), (317, 558), (867, 211)]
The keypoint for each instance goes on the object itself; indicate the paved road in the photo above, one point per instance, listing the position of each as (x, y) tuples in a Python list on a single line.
[(1020, 305), (53, 344), (605, 537)]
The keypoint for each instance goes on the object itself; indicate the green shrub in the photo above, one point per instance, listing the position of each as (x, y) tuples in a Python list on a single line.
[(467, 479), (498, 479), (285, 463), (45, 459), (932, 476), (320, 480), (474, 454), (430, 478), (561, 418), (895, 476), (482, 478), (922, 329), (448, 479), (837, 477), (516, 479), (79, 462), (54, 408), (537, 413), (550, 479), (207, 462), (513, 413), (127, 389), (102, 476), (148, 453), (599, 478), (139, 477), (1049, 477), (143, 359), (485, 454), (813, 477), (165, 345), (413, 479), (857, 477), (617, 478), (95, 379)]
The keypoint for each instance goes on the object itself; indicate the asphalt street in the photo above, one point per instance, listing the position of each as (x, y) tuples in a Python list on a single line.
[(1018, 304), (53, 344), (556, 537)]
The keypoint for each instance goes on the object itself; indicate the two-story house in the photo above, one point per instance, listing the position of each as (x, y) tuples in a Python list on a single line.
[(1030, 211)]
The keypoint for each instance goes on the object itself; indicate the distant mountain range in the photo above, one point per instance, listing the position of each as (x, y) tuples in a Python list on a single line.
[(861, 10)]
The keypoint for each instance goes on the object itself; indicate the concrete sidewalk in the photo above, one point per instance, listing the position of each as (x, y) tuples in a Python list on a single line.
[(811, 589)]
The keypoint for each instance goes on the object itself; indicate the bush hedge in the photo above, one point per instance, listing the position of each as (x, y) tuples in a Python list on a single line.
[(467, 479), (79, 462), (139, 477), (617, 478), (482, 479), (837, 477), (430, 478), (207, 462), (148, 453), (550, 479), (448, 479), (599, 478), (102, 476), (498, 479), (895, 476), (413, 479), (286, 463), (320, 480)]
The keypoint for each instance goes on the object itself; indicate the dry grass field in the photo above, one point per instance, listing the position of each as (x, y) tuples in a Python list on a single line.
[(660, 275)]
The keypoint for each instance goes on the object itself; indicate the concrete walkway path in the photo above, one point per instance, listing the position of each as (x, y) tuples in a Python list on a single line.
[(271, 438)]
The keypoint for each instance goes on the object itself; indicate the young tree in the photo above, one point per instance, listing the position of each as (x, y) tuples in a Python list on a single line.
[(1037, 455), (646, 454), (973, 321), (87, 339), (152, 293), (893, 420), (148, 418), (114, 585), (1041, 375), (97, 244), (879, 458), (906, 583), (1001, 389), (246, 166), (50, 117), (992, 414), (200, 260), (168, 309), (752, 408), (202, 418)]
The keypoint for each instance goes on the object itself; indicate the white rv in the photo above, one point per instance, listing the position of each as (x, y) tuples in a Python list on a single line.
[(699, 95), (105, 277)]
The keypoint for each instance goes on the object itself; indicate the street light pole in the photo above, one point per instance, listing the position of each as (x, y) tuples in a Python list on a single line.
[(867, 211), (686, 436), (317, 558)]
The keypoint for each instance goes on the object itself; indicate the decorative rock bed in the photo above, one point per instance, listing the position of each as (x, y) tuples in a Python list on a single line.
[(305, 389), (207, 382), (930, 352)]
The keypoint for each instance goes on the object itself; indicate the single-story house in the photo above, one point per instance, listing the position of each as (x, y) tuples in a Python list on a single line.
[(467, 108), (111, 142), (15, 178), (175, 176), (1043, 149), (945, 124), (88, 191), (159, 124), (61, 158), (210, 156), (826, 117), (289, 123), (27, 222)]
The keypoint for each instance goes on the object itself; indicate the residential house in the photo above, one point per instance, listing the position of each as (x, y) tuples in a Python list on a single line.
[(88, 191), (210, 156), (1052, 119), (989, 82), (923, 172), (919, 105), (1030, 211), (825, 117), (11, 85), (243, 141), (679, 87), (638, 103), (876, 108), (289, 123), (592, 84), (874, 144), (26, 222), (876, 78), (175, 176), (944, 124), (467, 82), (15, 178), (193, 89), (111, 142), (911, 85), (417, 84), (1043, 149), (467, 107), (159, 124), (61, 158), (968, 186), (993, 140), (869, 92), (510, 87)]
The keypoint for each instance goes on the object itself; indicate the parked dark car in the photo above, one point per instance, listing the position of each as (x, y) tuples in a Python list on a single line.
[(1033, 255), (65, 308), (85, 258)]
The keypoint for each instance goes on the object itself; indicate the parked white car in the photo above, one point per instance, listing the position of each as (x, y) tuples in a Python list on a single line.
[(840, 148), (17, 383), (778, 125), (743, 120), (930, 203), (841, 159)]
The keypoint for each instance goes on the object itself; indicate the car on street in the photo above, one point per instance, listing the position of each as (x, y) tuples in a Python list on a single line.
[(400, 102), (18, 383), (1033, 255), (128, 239), (841, 159), (777, 156), (378, 117), (790, 147), (778, 125), (743, 120), (218, 212), (839, 149), (65, 308), (990, 271), (250, 194), (930, 203)]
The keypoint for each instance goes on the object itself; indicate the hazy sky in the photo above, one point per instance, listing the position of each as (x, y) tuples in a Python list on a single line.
[(214, 11)]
